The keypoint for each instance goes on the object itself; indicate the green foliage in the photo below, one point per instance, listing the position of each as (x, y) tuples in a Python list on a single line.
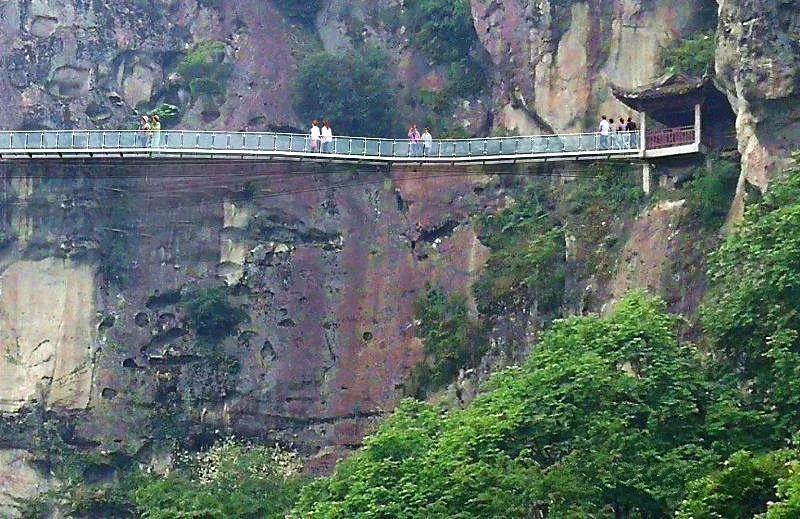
[(204, 70), (709, 194), (789, 493), (606, 417), (350, 91), (75, 494), (229, 481), (693, 56), (442, 29), (301, 10), (168, 114), (526, 265), (210, 315), (452, 339), (751, 318), (607, 188), (740, 490)]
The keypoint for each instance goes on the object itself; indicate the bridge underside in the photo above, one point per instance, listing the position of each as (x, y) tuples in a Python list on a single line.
[(194, 155)]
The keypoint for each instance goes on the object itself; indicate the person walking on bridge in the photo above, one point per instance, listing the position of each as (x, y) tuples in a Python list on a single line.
[(156, 127), (327, 137), (315, 136), (413, 137), (427, 142), (144, 131), (634, 134), (605, 133)]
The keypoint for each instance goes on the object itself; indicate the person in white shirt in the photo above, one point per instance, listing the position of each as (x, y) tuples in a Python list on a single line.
[(327, 138), (605, 133), (315, 135), (427, 142)]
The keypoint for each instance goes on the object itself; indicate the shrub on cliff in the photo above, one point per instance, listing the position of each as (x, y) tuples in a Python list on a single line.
[(751, 319), (526, 265), (442, 29), (301, 10), (204, 70), (710, 193), (693, 56), (230, 480), (351, 91), (211, 315), (608, 416), (451, 338)]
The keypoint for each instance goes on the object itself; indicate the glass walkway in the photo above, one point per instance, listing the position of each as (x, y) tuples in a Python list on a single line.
[(164, 144)]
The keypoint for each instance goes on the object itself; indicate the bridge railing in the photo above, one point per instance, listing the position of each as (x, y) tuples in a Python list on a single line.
[(48, 141), (670, 137)]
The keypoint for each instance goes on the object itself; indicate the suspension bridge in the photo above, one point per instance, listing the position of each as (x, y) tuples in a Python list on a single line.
[(178, 144)]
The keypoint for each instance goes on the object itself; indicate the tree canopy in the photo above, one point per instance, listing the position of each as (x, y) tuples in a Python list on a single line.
[(607, 415), (351, 91)]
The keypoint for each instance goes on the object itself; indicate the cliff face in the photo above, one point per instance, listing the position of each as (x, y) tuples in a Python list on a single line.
[(554, 61), (326, 264), (99, 264), (758, 66), (89, 64)]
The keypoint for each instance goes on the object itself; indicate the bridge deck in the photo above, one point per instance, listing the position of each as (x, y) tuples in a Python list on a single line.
[(22, 145)]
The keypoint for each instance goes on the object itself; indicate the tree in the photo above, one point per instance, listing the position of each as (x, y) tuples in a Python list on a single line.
[(751, 319), (231, 480), (741, 489), (350, 91), (607, 415), (452, 339)]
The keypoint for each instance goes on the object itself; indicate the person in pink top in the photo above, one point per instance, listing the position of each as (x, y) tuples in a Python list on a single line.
[(414, 137)]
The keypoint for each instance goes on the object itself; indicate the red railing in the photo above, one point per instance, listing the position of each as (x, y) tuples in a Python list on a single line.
[(670, 137)]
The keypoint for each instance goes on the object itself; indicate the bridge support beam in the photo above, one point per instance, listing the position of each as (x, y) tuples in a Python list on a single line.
[(697, 123), (647, 177)]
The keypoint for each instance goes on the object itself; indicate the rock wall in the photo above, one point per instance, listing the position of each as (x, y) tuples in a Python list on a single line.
[(758, 66), (554, 62), (325, 262), (46, 313)]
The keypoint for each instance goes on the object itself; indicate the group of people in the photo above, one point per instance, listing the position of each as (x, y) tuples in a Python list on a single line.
[(419, 145), (618, 135), (150, 131), (321, 138)]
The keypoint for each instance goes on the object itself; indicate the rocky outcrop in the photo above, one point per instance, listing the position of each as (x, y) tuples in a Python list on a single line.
[(93, 64), (758, 66), (326, 264), (46, 314), (18, 480), (554, 62)]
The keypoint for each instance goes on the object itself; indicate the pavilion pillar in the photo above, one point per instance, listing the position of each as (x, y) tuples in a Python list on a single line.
[(642, 132), (647, 176), (697, 123)]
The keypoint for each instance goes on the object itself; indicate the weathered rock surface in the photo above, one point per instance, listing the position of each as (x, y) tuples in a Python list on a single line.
[(554, 61), (46, 332), (758, 66), (18, 480), (327, 274)]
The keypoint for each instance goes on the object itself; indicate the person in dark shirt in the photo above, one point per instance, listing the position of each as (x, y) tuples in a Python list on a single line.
[(634, 136)]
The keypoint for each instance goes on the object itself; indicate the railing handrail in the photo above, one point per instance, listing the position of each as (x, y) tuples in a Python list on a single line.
[(282, 134), (27, 143)]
